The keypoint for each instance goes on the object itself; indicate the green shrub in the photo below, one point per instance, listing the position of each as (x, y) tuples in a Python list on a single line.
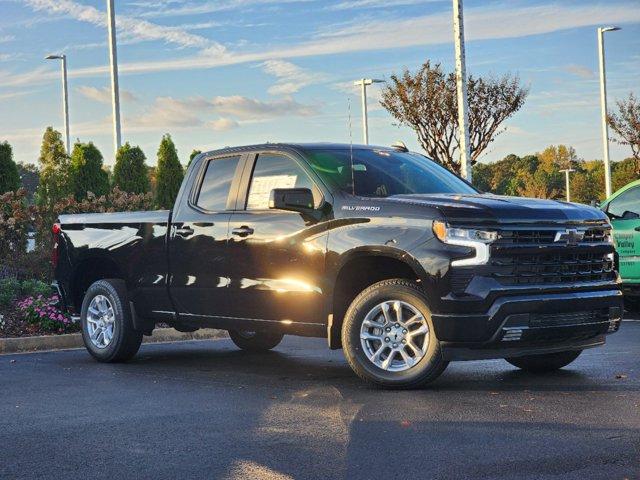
[(9, 291), (33, 287)]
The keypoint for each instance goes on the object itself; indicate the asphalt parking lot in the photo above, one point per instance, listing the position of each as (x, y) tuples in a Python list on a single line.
[(204, 409)]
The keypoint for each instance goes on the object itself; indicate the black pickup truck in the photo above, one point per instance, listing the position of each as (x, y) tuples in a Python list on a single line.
[(383, 252)]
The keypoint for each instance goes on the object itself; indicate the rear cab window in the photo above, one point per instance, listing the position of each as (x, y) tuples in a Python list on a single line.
[(216, 183)]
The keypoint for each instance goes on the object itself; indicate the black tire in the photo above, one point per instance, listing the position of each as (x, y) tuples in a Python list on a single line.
[(126, 341), (426, 370), (255, 341), (544, 363)]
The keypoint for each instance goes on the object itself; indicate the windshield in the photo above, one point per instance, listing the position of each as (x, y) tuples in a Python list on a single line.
[(383, 173)]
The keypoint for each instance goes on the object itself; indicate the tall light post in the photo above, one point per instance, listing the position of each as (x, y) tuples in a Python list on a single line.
[(364, 82), (65, 97), (603, 109), (461, 88), (567, 171), (115, 89)]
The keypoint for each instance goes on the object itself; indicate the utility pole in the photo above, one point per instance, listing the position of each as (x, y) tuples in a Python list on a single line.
[(65, 98), (115, 89), (461, 87), (567, 171), (603, 109), (365, 116)]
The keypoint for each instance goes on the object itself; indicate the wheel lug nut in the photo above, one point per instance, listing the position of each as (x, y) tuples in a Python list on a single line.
[(404, 341), (404, 330), (397, 325), (388, 329), (386, 339), (395, 345)]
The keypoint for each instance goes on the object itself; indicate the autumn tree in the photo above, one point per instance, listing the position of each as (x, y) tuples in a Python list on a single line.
[(626, 124), (130, 171), (169, 173), (427, 102), (54, 170), (87, 173), (9, 175)]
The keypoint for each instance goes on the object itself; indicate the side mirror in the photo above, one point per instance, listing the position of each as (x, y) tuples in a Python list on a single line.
[(292, 199)]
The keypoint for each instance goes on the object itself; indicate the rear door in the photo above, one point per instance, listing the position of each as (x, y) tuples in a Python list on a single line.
[(198, 240), (624, 212), (276, 257)]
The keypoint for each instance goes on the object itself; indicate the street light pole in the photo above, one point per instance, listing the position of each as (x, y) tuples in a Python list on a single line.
[(365, 116), (115, 89), (567, 171), (603, 109), (65, 98), (461, 88)]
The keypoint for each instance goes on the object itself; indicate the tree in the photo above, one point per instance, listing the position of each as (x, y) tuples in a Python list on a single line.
[(54, 170), (623, 172), (130, 170), (427, 102), (558, 157), (169, 173), (194, 154), (9, 175), (87, 174), (626, 125), (30, 178)]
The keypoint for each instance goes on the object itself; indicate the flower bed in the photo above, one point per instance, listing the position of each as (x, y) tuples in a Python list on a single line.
[(26, 309)]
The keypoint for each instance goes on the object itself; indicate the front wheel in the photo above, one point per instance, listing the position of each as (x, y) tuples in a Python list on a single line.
[(107, 324), (544, 363), (255, 341), (388, 336)]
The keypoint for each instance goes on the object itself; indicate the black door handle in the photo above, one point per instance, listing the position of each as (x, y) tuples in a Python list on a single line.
[(637, 229), (243, 231), (184, 231)]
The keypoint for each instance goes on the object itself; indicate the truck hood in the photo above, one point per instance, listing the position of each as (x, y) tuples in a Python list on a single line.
[(494, 209)]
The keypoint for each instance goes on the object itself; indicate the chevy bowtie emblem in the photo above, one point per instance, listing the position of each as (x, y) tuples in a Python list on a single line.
[(570, 236)]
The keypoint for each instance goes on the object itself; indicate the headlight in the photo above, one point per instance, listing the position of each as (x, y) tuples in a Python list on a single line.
[(466, 237)]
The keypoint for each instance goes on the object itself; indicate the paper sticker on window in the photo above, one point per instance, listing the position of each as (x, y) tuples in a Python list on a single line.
[(261, 189)]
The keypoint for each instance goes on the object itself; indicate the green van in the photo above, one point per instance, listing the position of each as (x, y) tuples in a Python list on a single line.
[(623, 209)]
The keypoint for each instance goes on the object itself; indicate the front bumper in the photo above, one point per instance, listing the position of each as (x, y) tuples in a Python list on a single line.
[(531, 324)]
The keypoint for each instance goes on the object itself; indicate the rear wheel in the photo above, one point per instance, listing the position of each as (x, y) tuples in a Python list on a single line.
[(107, 326), (544, 363), (388, 336), (255, 341)]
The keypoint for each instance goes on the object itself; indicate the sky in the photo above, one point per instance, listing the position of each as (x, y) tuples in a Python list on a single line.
[(234, 72)]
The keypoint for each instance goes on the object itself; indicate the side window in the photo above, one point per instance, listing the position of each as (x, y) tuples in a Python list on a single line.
[(274, 171), (626, 205), (216, 183)]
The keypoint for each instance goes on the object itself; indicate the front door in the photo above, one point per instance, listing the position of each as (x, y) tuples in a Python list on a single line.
[(277, 256), (624, 212), (198, 241)]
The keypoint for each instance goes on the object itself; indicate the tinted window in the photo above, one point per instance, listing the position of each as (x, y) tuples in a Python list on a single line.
[(274, 171), (626, 204), (382, 173), (215, 185)]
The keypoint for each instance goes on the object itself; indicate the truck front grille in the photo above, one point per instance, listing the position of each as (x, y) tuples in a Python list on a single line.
[(547, 236), (568, 267)]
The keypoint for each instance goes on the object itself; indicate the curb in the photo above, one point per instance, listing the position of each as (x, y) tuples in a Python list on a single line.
[(74, 340)]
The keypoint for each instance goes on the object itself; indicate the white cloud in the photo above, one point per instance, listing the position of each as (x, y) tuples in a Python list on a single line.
[(580, 71), (354, 4), (223, 124), (103, 95), (194, 111), (291, 78), (203, 7), (7, 38), (129, 28)]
